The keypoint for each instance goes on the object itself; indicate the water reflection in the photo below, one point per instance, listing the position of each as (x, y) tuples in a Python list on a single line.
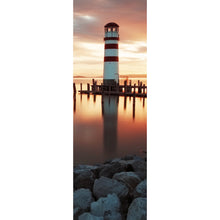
[(74, 103), (133, 107), (110, 119), (107, 127)]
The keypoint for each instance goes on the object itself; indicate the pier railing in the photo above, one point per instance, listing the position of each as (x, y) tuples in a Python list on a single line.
[(125, 89)]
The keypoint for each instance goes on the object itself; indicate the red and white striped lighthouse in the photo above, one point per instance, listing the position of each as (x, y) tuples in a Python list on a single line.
[(111, 75)]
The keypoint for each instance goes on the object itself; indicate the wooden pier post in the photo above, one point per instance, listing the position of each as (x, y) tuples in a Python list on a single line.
[(130, 86), (88, 87), (139, 87), (134, 88), (81, 87), (117, 87), (96, 87), (101, 88), (125, 87), (74, 88)]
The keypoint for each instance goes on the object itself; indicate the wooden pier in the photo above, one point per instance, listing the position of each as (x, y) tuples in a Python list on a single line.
[(139, 90)]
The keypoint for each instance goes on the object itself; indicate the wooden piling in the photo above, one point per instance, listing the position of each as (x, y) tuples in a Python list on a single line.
[(139, 87), (130, 86), (117, 87), (101, 88), (74, 88), (134, 88), (88, 87), (125, 87)]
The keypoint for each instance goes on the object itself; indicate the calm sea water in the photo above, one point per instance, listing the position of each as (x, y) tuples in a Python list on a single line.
[(107, 127)]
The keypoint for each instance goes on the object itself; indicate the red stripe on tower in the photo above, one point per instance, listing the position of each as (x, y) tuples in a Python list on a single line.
[(111, 38), (110, 59), (111, 46)]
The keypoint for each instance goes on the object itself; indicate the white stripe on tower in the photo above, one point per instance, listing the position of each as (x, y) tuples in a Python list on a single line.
[(111, 52)]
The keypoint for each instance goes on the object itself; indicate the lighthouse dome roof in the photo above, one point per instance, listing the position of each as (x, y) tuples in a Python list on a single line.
[(111, 24)]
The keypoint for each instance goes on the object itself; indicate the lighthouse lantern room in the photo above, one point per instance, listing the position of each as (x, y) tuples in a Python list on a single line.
[(111, 73)]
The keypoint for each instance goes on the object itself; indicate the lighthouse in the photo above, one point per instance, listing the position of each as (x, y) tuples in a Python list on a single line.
[(111, 75)]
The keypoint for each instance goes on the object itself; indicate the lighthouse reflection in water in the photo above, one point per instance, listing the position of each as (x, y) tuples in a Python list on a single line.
[(110, 120), (107, 127)]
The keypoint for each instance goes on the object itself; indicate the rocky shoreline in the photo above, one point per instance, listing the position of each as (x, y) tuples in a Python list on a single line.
[(114, 190)]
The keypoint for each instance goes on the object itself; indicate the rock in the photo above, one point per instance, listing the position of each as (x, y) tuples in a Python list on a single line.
[(81, 168), (108, 206), (126, 162), (139, 167), (138, 209), (76, 211), (82, 199), (115, 160), (110, 169), (131, 157), (141, 189), (84, 180), (104, 186), (136, 165), (130, 179), (114, 216), (88, 216)]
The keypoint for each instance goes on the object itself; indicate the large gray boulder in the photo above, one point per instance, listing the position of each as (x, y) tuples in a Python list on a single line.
[(82, 199), (104, 186), (108, 207), (84, 180), (138, 209), (109, 170), (140, 168), (130, 179), (141, 189), (88, 216), (81, 168)]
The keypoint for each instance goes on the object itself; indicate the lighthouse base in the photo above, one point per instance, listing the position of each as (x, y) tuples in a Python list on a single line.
[(109, 82)]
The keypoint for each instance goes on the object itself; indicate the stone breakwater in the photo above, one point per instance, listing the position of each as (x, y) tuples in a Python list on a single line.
[(115, 190)]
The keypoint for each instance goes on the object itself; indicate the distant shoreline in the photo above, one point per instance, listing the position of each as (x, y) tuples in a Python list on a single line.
[(121, 76)]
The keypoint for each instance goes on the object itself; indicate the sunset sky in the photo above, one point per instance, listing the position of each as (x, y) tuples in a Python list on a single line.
[(89, 20)]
